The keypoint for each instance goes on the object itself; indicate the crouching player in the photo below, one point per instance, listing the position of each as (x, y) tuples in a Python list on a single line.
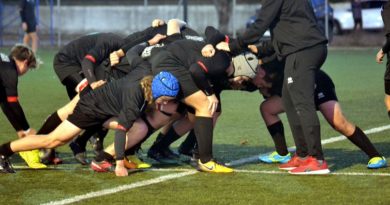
[(16, 64), (123, 99)]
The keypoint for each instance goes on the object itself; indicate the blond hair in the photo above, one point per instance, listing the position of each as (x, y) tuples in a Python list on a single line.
[(22, 52), (146, 85)]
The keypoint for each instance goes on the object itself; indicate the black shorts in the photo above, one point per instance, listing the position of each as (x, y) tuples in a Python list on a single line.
[(85, 115), (325, 90), (65, 66), (31, 27), (387, 87), (71, 83)]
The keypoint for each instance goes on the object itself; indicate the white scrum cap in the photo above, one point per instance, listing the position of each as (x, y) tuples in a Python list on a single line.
[(245, 64)]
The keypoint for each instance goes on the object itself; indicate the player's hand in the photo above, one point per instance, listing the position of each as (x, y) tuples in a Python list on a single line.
[(223, 46), (157, 23), (115, 56), (253, 48), (208, 51), (213, 103), (24, 26), (97, 84), (24, 133), (31, 131), (379, 56), (157, 38), (120, 169)]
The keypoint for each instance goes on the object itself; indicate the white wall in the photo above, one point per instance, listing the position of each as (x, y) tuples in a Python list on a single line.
[(128, 19)]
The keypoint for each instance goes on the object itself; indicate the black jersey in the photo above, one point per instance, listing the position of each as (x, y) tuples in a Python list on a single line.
[(147, 34), (9, 93), (292, 24), (8, 78), (186, 54), (27, 11), (122, 98), (93, 48)]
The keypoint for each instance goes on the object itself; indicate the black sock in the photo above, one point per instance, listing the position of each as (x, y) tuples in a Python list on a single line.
[(50, 124), (361, 140), (189, 143), (82, 139), (204, 135), (104, 156), (169, 138), (276, 130), (156, 144), (132, 150), (5, 149)]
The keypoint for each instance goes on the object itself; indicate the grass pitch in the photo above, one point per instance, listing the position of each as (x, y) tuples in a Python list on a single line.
[(359, 85)]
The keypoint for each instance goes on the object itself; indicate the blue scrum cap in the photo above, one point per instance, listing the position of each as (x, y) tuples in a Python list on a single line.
[(165, 84)]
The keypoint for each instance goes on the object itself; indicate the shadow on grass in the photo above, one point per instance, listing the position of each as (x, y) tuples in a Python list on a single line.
[(342, 158)]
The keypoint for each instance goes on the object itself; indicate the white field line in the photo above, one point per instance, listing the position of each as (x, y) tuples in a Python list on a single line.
[(286, 173), (247, 171), (326, 141), (187, 172), (121, 188)]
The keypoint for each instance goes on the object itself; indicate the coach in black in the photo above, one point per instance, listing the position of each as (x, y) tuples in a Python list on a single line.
[(298, 40)]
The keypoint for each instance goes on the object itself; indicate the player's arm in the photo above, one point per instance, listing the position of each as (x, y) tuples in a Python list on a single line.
[(269, 11), (11, 106), (128, 115), (385, 49), (14, 113), (213, 38)]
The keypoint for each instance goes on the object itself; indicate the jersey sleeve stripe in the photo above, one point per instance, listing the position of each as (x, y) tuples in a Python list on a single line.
[(12, 99), (203, 66), (90, 58)]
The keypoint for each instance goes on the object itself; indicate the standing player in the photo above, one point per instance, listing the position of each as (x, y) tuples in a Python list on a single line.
[(20, 60), (29, 23), (299, 41), (386, 50)]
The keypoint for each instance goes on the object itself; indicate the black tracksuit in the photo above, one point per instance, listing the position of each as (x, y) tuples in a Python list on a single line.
[(296, 38), (9, 93)]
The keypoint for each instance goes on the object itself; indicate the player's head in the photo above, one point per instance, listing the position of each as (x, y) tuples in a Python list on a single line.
[(24, 58), (245, 64), (165, 85)]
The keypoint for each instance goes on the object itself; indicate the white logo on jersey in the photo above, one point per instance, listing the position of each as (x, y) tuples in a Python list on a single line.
[(289, 80), (147, 51), (320, 95), (194, 38), (4, 57)]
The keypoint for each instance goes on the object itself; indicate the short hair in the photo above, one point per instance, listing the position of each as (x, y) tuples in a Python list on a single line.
[(22, 52)]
